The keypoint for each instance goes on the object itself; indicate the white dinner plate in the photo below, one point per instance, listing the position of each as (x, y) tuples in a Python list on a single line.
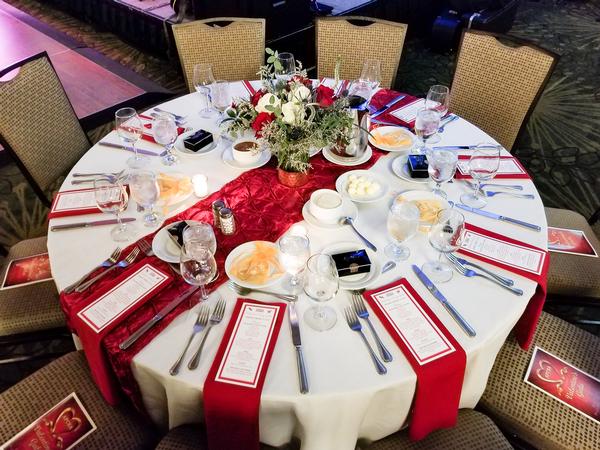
[(163, 247), (265, 156), (390, 129), (400, 169), (360, 280), (349, 162), (349, 209), (342, 182), (313, 151), (245, 248), (180, 147), (423, 195), (181, 196)]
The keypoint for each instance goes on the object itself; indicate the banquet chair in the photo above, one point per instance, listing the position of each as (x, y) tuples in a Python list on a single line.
[(119, 428), (497, 82), (234, 46), (38, 126), (529, 414), (352, 38)]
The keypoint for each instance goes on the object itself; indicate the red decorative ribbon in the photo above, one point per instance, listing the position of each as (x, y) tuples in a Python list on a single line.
[(249, 87)]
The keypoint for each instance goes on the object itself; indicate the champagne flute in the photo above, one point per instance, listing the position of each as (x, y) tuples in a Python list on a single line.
[(201, 233), (441, 168), (145, 191), (164, 130), (198, 266), (402, 224), (203, 80), (438, 99), (130, 129), (426, 125), (287, 66), (483, 166), (444, 236), (321, 285), (294, 251), (111, 197)]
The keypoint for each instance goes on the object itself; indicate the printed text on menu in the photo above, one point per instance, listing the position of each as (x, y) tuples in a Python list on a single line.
[(507, 166), (408, 113), (68, 201)]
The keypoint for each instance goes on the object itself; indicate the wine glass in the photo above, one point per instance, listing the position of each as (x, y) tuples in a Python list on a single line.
[(145, 191), (198, 266), (130, 129), (426, 125), (483, 166), (164, 130), (111, 197), (402, 224), (220, 96), (444, 236), (321, 284), (201, 233), (287, 66), (294, 250), (203, 80), (438, 99), (441, 168), (371, 74)]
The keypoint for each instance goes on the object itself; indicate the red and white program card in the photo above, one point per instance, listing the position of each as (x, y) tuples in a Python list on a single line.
[(246, 350), (566, 383), (61, 428), (408, 113), (118, 300), (508, 166), (574, 242), (528, 259), (423, 338), (70, 203), (29, 270)]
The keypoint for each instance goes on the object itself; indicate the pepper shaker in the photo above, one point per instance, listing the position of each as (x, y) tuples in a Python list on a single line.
[(217, 205), (227, 221)]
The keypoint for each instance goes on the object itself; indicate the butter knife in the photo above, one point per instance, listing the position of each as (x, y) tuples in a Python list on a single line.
[(496, 216), (444, 301), (157, 318), (95, 223), (387, 106), (122, 147), (297, 341)]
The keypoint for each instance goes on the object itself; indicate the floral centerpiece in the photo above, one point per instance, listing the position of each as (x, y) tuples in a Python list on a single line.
[(290, 117)]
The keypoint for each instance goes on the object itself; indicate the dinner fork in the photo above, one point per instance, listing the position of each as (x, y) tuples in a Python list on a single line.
[(177, 117), (471, 273), (178, 122), (98, 174), (516, 187), (355, 325), (122, 264), (215, 319), (110, 261), (512, 194), (361, 311), (241, 290), (464, 262), (446, 121), (201, 320), (145, 248)]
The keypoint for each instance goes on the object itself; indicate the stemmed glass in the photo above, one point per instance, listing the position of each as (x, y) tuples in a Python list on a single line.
[(220, 97), (438, 99), (402, 224), (483, 166), (200, 233), (321, 284), (111, 197), (444, 236), (145, 191), (371, 74), (130, 129), (164, 130), (198, 266), (203, 80), (294, 250), (287, 66), (441, 168), (426, 125)]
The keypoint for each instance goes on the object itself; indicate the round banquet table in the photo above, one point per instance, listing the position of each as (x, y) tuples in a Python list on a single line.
[(348, 399)]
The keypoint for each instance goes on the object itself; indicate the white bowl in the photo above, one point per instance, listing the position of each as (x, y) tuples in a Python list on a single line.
[(246, 157)]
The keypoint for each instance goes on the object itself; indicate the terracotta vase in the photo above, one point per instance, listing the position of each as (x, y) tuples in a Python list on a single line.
[(292, 179)]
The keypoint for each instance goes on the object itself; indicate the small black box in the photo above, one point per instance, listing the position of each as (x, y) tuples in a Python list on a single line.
[(417, 166), (351, 263), (198, 140), (176, 233)]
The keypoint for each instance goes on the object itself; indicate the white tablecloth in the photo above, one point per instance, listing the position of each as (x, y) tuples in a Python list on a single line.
[(348, 399)]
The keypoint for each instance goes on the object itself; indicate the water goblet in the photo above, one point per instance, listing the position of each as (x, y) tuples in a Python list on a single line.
[(130, 129), (198, 266), (145, 191), (321, 284), (111, 197), (220, 96), (203, 79), (483, 166), (427, 123), (286, 66), (371, 74), (441, 168), (402, 224), (164, 130), (294, 250), (445, 236), (202, 234)]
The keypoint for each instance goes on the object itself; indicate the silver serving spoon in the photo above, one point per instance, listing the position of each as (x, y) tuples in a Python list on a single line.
[(348, 221)]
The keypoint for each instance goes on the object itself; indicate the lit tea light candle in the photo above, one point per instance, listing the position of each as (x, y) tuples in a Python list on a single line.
[(200, 183)]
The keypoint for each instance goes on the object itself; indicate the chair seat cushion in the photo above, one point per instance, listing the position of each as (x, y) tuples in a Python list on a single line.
[(537, 418), (29, 308), (573, 275), (473, 431), (119, 428)]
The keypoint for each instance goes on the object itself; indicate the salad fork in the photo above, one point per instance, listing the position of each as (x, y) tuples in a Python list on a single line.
[(215, 319), (464, 262), (241, 290), (177, 117), (199, 324), (110, 261), (512, 194), (361, 311), (355, 325), (471, 273), (446, 121), (99, 174), (122, 264), (516, 187), (145, 248)]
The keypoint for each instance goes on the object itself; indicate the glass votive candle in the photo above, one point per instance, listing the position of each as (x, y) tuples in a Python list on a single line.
[(200, 183)]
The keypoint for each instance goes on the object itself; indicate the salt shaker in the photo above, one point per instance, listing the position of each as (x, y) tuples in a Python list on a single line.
[(216, 207), (227, 221)]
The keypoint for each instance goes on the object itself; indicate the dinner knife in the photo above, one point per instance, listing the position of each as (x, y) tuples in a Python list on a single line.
[(157, 318), (296, 340), (95, 223), (444, 301), (122, 147), (455, 147), (387, 106), (496, 216)]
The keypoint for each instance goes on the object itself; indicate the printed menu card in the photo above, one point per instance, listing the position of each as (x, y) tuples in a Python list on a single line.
[(73, 203), (28, 270), (574, 242), (509, 168), (567, 384), (408, 113), (61, 428)]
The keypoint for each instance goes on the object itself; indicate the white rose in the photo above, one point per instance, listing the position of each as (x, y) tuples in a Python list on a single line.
[(299, 93), (292, 112), (265, 101)]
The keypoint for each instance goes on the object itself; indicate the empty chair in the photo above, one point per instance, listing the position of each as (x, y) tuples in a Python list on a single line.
[(530, 414), (356, 39), (234, 46), (497, 85), (38, 126)]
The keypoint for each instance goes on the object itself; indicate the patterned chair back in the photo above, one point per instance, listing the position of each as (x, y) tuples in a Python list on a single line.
[(496, 86), (379, 39), (235, 50), (37, 123)]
